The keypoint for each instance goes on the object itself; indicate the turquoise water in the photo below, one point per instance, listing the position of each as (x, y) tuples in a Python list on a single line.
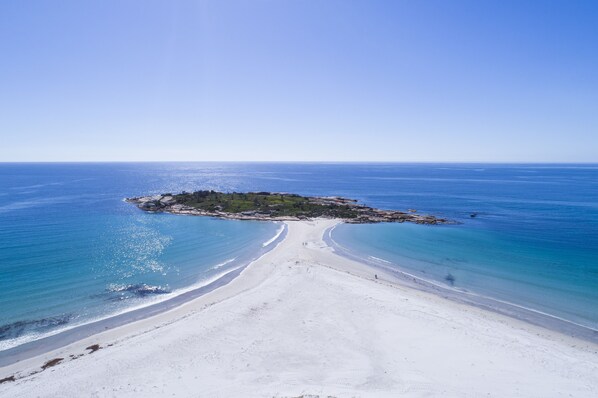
[(491, 263), (71, 250)]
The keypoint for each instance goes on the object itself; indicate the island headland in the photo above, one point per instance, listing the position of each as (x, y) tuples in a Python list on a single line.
[(274, 206)]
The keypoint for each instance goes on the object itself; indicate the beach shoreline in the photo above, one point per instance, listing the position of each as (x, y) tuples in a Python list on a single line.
[(73, 334), (312, 301), (512, 310)]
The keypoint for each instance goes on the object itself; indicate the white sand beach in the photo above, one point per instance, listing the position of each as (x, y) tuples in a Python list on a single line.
[(303, 321)]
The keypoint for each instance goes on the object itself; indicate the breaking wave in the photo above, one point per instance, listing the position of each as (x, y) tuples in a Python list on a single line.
[(222, 264), (266, 243)]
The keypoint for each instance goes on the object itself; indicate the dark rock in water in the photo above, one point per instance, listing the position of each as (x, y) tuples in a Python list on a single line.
[(450, 279), (139, 290), (19, 328)]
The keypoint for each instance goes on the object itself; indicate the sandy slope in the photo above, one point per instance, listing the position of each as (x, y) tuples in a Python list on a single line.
[(302, 320)]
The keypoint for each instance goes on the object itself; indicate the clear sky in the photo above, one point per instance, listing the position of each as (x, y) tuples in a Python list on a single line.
[(299, 80)]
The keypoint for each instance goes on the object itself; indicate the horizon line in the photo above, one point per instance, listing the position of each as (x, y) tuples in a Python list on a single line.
[(300, 161)]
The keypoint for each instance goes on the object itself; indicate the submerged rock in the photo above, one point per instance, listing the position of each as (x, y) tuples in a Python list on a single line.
[(19, 328), (139, 290)]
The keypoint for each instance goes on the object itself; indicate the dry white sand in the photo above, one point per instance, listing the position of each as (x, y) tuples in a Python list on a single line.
[(303, 321)]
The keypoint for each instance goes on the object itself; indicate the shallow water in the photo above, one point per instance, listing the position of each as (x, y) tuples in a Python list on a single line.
[(71, 250)]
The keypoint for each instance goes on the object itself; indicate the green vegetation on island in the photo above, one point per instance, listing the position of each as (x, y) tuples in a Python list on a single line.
[(273, 204)]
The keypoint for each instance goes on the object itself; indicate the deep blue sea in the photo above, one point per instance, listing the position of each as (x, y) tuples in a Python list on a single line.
[(72, 251)]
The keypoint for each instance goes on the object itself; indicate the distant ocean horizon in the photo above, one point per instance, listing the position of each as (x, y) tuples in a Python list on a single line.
[(72, 251)]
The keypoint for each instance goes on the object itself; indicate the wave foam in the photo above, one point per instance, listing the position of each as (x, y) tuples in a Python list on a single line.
[(380, 259), (266, 243), (139, 290), (222, 264)]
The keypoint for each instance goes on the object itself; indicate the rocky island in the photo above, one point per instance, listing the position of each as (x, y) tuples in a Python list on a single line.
[(275, 207)]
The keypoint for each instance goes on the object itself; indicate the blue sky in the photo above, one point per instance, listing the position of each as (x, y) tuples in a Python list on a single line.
[(299, 80)]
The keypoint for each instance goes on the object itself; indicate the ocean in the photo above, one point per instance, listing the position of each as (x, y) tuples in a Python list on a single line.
[(71, 251)]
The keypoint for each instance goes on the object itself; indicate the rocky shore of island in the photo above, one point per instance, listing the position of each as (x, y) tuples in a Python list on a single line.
[(268, 206)]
